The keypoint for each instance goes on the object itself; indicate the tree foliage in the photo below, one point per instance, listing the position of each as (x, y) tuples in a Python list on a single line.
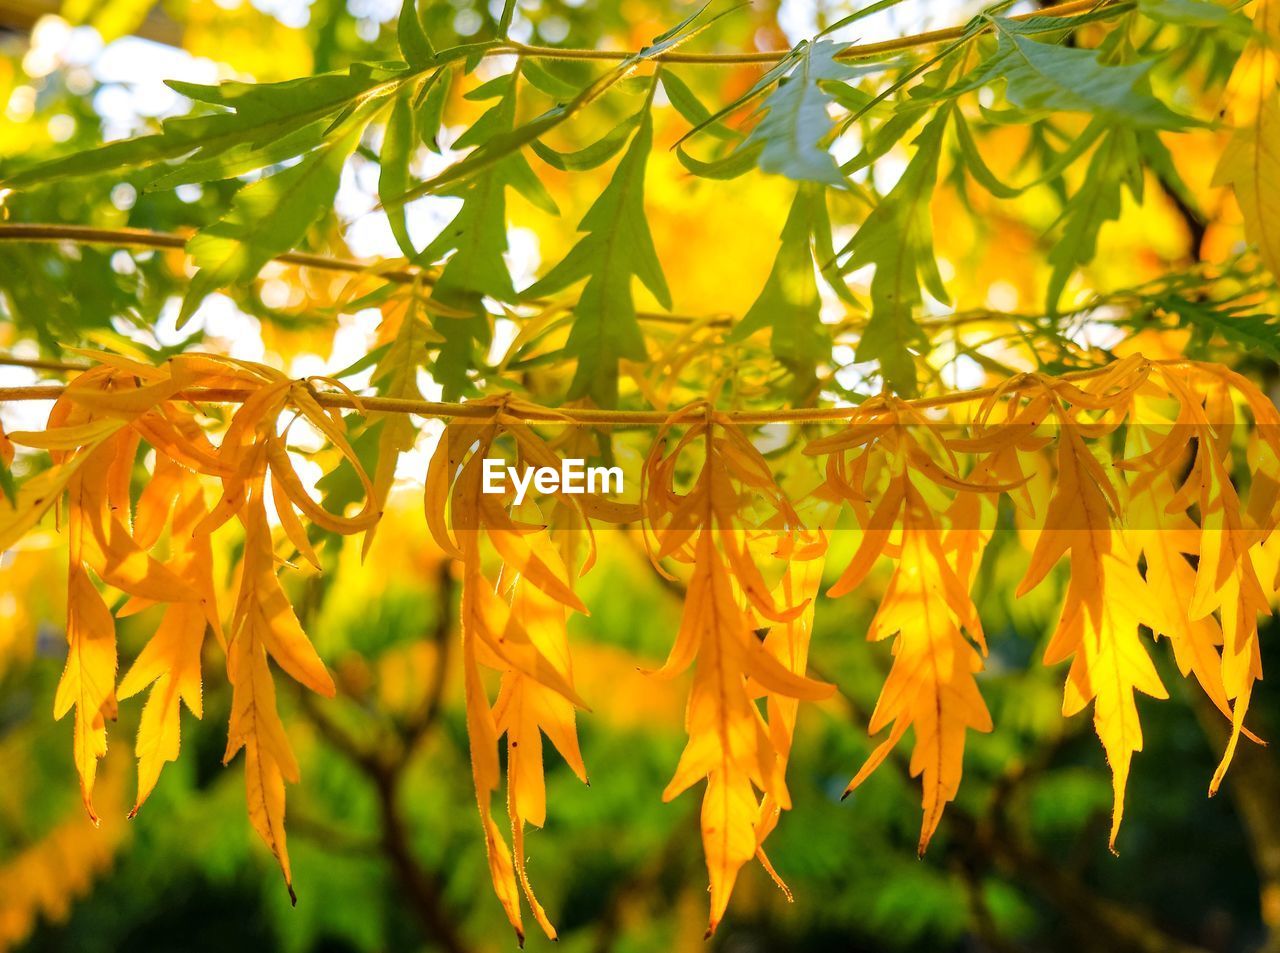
[(824, 426)]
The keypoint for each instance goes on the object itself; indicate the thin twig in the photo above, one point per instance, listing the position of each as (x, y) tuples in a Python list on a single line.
[(46, 233), (855, 51), (146, 238), (384, 766), (42, 364), (428, 712)]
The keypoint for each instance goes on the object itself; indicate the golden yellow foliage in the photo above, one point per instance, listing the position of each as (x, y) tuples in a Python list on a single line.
[(712, 502)]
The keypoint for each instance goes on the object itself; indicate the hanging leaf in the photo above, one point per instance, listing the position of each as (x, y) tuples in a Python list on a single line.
[(730, 745), (897, 238), (796, 118), (789, 305), (1047, 76), (505, 143), (617, 248), (1113, 167), (1252, 156), (476, 241), (398, 144), (266, 218), (414, 44)]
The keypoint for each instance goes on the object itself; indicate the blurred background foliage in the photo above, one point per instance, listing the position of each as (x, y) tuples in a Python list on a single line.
[(386, 851)]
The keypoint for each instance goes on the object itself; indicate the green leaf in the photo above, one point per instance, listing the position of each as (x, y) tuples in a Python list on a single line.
[(498, 147), (758, 88), (736, 163), (789, 304), (1063, 25), (267, 217), (476, 241), (508, 14), (545, 81), (1115, 164), (887, 135), (494, 88), (868, 10), (977, 166), (342, 486), (1049, 77), (368, 359), (287, 98), (592, 156), (494, 150), (796, 120), (687, 104), (1258, 333), (897, 237), (617, 247), (921, 99), (1195, 13), (394, 158), (744, 156), (112, 157), (414, 44), (981, 172), (239, 160), (430, 104), (262, 117)]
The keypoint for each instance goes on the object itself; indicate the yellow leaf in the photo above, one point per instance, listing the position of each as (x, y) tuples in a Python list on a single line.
[(1109, 664), (931, 687), (1250, 164)]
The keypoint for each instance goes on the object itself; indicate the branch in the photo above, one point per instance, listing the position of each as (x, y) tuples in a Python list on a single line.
[(146, 238), (585, 415), (855, 51), (47, 233), (163, 30), (441, 636), (422, 888)]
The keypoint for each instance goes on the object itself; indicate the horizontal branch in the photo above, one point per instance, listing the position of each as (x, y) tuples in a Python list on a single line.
[(856, 51), (44, 233), (145, 238), (580, 415)]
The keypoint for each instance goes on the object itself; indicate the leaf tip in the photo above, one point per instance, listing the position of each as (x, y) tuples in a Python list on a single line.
[(88, 808)]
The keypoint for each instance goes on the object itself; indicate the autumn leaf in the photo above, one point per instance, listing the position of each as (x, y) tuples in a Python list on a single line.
[(1252, 155), (518, 630), (730, 745), (798, 310), (931, 687)]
